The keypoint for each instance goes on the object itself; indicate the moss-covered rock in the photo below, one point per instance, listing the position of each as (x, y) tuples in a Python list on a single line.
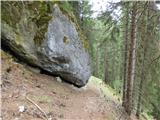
[(48, 36)]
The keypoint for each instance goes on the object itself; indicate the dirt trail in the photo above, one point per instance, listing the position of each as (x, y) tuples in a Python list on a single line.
[(60, 101)]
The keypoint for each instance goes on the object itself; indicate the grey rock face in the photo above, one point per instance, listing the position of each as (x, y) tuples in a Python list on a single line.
[(61, 52)]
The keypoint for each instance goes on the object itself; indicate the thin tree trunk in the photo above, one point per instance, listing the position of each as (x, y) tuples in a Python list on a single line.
[(106, 72), (125, 55), (142, 79), (131, 62), (140, 92), (97, 63)]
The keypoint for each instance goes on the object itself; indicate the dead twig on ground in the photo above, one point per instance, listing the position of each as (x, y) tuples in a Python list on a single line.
[(46, 117)]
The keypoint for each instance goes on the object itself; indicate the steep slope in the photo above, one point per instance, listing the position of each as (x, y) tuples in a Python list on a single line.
[(23, 90)]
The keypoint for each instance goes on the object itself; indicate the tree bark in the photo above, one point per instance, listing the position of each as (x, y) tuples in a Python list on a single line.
[(125, 53), (142, 76), (131, 61), (97, 63), (144, 31), (106, 72)]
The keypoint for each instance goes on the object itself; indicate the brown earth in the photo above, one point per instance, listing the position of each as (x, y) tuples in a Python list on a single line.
[(58, 100)]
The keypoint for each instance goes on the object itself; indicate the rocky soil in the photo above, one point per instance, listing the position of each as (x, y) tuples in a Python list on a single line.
[(29, 95)]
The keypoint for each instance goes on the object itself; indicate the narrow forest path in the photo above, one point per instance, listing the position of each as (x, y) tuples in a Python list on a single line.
[(60, 101)]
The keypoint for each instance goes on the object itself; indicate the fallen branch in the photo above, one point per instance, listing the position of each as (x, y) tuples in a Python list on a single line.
[(46, 118)]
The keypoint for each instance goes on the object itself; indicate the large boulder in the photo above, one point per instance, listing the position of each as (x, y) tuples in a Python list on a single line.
[(43, 35)]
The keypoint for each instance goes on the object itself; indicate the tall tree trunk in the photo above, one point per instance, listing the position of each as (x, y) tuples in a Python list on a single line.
[(125, 53), (131, 61), (144, 31), (142, 76), (140, 89), (97, 63), (106, 72)]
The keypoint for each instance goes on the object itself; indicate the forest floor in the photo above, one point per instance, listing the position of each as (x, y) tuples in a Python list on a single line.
[(28, 95)]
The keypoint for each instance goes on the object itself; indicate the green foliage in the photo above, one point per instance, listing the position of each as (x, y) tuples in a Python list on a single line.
[(67, 9), (105, 89), (6, 12), (65, 6), (107, 39), (41, 16)]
